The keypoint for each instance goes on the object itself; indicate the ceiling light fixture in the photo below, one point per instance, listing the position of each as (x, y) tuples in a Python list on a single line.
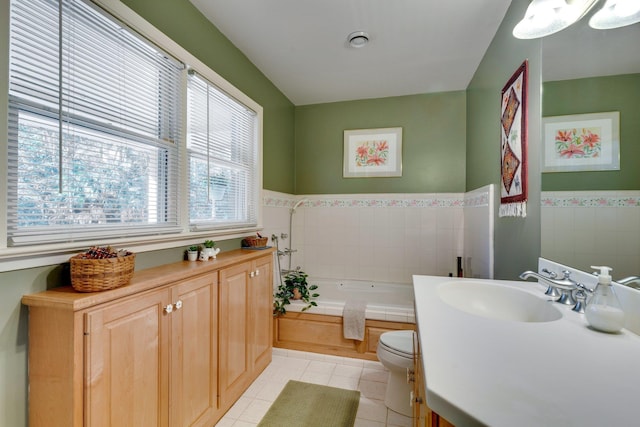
[(616, 13), (358, 39), (545, 17)]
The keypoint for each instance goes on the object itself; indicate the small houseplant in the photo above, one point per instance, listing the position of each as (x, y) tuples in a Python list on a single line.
[(192, 253), (294, 287), (209, 250)]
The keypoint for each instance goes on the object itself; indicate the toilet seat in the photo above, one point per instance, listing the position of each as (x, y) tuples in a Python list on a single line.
[(399, 343)]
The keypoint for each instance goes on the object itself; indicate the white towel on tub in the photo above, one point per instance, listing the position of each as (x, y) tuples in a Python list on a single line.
[(353, 319)]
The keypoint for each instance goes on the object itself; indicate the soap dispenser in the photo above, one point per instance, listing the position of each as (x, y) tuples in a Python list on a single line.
[(604, 311)]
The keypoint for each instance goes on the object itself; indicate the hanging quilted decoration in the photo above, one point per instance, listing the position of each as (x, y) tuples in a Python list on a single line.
[(513, 145)]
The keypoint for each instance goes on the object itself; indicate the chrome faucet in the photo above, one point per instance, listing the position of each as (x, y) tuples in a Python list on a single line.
[(566, 285), (631, 281), (551, 291), (580, 295)]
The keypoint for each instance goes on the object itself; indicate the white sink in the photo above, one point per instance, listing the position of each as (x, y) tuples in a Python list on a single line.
[(495, 301)]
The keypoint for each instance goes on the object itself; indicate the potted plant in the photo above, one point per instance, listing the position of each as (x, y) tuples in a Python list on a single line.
[(294, 287), (192, 253), (209, 250)]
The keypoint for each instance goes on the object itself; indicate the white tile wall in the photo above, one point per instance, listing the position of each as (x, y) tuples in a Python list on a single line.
[(478, 232), (592, 228), (384, 237)]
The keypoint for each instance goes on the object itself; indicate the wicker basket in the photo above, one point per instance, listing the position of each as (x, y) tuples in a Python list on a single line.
[(93, 275), (254, 242)]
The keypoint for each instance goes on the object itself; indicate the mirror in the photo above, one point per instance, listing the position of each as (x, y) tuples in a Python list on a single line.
[(593, 217)]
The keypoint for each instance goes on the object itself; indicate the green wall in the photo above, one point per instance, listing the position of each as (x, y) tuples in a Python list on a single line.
[(184, 24), (433, 144), (516, 240), (596, 95)]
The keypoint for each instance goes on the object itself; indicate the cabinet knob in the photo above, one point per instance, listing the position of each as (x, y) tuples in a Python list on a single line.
[(168, 308), (252, 274), (178, 304), (257, 272), (414, 398)]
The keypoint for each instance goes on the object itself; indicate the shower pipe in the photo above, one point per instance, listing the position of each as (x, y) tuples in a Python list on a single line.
[(287, 251), (290, 251)]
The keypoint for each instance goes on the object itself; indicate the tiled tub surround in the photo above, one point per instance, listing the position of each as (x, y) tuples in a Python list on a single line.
[(381, 237), (584, 228)]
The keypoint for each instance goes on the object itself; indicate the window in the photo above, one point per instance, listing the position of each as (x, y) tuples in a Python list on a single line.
[(222, 158), (94, 125), (96, 135)]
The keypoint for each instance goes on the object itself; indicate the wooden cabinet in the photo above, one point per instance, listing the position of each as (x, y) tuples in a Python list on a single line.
[(152, 359), (420, 417), (261, 301), (246, 306), (235, 356), (127, 349), (194, 353), (423, 416), (148, 354)]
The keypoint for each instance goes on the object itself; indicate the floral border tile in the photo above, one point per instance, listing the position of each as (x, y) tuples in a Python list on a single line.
[(477, 200), (277, 202), (563, 199), (339, 202), (385, 203), (568, 200)]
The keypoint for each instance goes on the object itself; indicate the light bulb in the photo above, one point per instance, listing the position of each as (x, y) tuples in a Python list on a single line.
[(615, 14)]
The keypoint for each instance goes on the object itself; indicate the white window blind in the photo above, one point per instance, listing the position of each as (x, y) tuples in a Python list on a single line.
[(94, 127), (222, 149)]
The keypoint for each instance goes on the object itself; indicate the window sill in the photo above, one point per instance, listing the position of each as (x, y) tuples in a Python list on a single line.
[(19, 258)]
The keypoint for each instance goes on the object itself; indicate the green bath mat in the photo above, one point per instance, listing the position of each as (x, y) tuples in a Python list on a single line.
[(312, 405)]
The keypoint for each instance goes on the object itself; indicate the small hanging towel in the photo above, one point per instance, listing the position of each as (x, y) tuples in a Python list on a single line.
[(353, 319)]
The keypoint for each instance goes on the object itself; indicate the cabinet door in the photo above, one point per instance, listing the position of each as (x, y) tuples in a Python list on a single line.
[(234, 329), (194, 351), (126, 363), (261, 303)]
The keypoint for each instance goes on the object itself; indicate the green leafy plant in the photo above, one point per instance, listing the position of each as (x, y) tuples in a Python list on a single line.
[(209, 244), (295, 283), (193, 248)]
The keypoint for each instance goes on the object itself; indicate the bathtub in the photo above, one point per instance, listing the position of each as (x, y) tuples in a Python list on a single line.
[(385, 301)]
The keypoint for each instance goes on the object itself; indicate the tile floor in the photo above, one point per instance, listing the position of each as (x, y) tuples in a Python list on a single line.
[(355, 374)]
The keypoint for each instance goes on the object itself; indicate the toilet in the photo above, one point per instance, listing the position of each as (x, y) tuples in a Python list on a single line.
[(395, 352)]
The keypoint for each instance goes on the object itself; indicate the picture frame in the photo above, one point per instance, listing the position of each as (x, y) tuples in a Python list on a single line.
[(372, 153), (581, 142)]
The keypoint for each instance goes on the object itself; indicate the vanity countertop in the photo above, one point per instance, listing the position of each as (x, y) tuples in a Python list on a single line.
[(482, 371)]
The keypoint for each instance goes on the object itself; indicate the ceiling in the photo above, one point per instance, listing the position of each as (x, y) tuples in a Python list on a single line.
[(415, 47)]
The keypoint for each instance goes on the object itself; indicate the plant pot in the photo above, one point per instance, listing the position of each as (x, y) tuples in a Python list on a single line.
[(296, 294), (192, 255)]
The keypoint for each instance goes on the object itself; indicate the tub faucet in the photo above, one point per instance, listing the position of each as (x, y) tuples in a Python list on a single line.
[(566, 285), (631, 281)]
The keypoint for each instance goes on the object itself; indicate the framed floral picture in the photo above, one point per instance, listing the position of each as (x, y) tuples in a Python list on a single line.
[(581, 142), (372, 153)]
